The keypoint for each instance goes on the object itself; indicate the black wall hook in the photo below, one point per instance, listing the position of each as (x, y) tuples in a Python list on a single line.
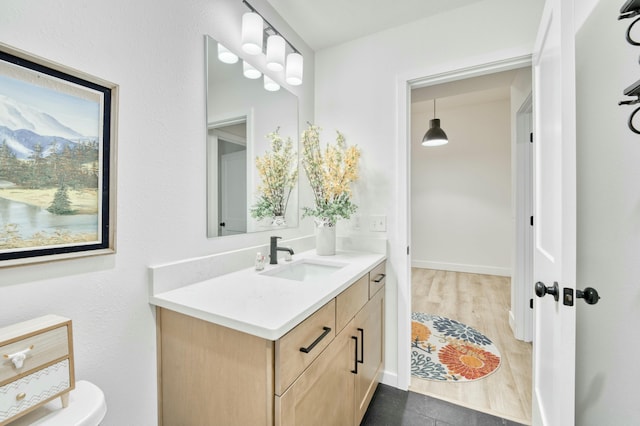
[(630, 9), (633, 90)]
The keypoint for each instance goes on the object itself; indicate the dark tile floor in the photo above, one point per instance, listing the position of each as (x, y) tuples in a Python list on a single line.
[(394, 407)]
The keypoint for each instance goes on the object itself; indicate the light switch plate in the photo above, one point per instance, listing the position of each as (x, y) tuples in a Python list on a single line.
[(378, 223)]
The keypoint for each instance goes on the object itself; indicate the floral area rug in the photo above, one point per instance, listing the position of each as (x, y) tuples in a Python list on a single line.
[(446, 350)]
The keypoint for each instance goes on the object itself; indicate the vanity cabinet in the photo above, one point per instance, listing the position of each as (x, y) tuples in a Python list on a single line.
[(322, 372), (337, 388)]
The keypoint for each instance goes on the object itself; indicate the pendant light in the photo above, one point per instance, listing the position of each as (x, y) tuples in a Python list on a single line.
[(275, 53), (252, 33), (435, 136), (294, 69)]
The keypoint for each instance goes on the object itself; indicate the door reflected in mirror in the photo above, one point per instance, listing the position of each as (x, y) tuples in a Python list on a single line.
[(227, 147), (240, 115)]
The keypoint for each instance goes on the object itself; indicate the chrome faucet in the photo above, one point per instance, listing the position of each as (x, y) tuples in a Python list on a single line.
[(273, 250)]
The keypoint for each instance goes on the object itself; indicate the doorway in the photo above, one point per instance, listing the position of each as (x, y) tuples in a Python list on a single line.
[(227, 177), (464, 225)]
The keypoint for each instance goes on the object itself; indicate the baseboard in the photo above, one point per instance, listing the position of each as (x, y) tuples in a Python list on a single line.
[(460, 267), (389, 379)]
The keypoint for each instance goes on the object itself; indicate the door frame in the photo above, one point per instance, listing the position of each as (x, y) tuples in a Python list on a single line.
[(521, 314), (400, 247), (213, 134)]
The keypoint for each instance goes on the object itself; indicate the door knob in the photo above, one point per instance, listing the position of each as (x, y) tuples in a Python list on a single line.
[(553, 290), (590, 295), (222, 224)]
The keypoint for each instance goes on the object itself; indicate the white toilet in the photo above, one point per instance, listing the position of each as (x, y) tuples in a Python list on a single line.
[(87, 407)]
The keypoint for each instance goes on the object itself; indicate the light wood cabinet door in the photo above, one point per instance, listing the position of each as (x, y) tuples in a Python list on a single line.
[(369, 330), (323, 394), (212, 375)]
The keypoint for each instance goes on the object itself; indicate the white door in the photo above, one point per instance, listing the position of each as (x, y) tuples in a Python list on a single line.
[(233, 193), (555, 215)]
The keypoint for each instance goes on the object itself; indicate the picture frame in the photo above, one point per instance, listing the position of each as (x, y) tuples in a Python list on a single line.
[(58, 129)]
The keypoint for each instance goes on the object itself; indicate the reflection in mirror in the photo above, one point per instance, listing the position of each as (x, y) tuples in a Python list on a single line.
[(240, 115), (228, 150)]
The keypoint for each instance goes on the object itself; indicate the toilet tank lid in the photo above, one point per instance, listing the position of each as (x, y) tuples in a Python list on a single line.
[(87, 407)]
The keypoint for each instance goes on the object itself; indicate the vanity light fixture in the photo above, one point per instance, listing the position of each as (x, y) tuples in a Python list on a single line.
[(276, 48), (435, 136), (249, 71), (252, 33), (226, 56), (270, 85)]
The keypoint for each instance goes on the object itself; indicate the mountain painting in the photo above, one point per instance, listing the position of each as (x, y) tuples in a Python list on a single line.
[(51, 166)]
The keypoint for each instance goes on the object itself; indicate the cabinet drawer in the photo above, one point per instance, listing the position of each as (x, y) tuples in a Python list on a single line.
[(312, 335), (350, 301), (45, 348), (19, 396), (377, 279)]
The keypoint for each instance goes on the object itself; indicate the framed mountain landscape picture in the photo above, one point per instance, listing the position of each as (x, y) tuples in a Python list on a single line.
[(57, 161)]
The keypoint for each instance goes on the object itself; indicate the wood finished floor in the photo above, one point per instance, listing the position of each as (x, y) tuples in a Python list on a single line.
[(482, 302)]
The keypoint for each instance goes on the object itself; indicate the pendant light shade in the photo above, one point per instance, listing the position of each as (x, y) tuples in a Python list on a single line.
[(275, 53), (294, 69), (252, 33), (226, 56), (435, 136), (270, 85), (249, 71)]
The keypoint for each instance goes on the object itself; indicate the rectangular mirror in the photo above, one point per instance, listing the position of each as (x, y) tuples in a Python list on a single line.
[(240, 115)]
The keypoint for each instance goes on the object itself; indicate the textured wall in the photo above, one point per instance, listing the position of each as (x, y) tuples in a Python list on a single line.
[(155, 51), (608, 220)]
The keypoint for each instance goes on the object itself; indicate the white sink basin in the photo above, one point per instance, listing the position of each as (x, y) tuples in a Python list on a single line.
[(305, 270)]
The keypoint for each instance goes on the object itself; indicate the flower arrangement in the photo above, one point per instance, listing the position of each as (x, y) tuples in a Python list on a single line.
[(278, 171), (330, 172)]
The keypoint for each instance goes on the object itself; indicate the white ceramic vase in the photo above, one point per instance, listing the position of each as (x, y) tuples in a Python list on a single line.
[(278, 222), (325, 239)]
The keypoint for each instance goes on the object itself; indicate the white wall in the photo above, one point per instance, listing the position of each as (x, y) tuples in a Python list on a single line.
[(461, 192), (155, 51), (356, 92), (608, 156)]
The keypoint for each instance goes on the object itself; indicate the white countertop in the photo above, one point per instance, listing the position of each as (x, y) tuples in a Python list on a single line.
[(262, 305)]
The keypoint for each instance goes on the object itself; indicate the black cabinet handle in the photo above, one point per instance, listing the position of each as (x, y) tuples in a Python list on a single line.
[(379, 278), (361, 360), (315, 342), (355, 356)]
